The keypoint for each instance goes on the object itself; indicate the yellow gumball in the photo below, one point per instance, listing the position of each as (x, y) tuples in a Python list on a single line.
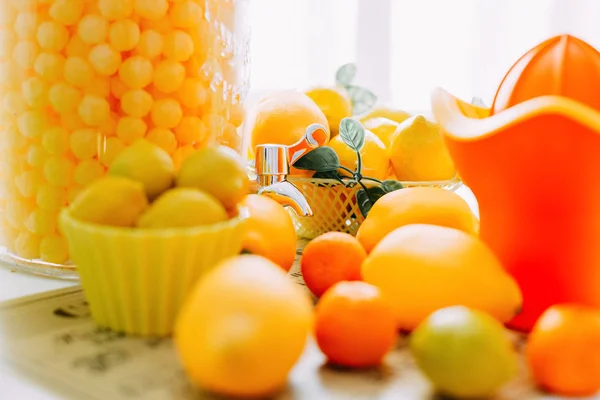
[(168, 76), (84, 143), (94, 110), (32, 123), (104, 59), (111, 149), (49, 66), (77, 47), (117, 87), (54, 249), (93, 29), (115, 9), (55, 141), (35, 92), (190, 130), (78, 72), (100, 87), (58, 171), (192, 93), (166, 113), (151, 9), (136, 72), (26, 24), (178, 46), (150, 44), (63, 97), (87, 171), (123, 35), (66, 12), (186, 14), (25, 53), (52, 36), (130, 129), (164, 138), (51, 198), (136, 103)]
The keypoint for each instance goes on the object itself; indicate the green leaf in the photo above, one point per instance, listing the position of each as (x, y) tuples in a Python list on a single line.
[(352, 133), (345, 74), (321, 159), (367, 198), (329, 175), (362, 99), (391, 185)]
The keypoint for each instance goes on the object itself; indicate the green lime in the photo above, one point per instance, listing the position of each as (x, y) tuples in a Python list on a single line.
[(465, 353)]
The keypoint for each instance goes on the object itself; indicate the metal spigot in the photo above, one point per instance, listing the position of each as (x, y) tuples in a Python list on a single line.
[(272, 166)]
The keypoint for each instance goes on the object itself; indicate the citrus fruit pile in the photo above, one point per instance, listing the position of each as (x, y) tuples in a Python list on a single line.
[(425, 274), (143, 190), (82, 80)]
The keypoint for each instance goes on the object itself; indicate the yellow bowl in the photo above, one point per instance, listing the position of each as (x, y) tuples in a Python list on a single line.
[(335, 206), (135, 280)]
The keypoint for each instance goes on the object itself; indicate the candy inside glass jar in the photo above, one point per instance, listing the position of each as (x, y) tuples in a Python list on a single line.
[(80, 80)]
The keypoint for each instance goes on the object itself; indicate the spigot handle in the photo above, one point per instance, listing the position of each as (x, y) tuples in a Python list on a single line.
[(316, 135)]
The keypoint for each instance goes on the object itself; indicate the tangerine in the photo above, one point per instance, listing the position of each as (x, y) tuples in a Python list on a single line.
[(331, 258), (354, 326)]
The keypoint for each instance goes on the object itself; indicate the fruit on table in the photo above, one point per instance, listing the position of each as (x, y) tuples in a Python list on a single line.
[(418, 153), (417, 205), (375, 160), (382, 111), (465, 353), (249, 338), (281, 118), (218, 171), (331, 258), (354, 326), (335, 104), (420, 268), (72, 68), (563, 350), (383, 128), (147, 163), (270, 231), (183, 207), (111, 200)]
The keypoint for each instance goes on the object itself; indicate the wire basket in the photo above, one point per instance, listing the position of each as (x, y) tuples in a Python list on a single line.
[(335, 206)]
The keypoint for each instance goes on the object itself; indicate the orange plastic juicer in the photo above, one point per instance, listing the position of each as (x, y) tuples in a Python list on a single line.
[(533, 162)]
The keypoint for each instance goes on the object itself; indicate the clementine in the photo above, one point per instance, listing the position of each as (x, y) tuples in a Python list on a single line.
[(331, 258), (563, 350), (270, 231), (354, 326)]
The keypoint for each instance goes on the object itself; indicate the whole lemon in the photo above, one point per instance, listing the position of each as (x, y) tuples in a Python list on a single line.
[(243, 328), (375, 161), (421, 268), (417, 205), (335, 104), (418, 153), (464, 352), (183, 207), (383, 111), (147, 163), (383, 128), (218, 171), (111, 200)]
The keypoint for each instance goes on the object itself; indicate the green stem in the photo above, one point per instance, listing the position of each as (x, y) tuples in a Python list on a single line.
[(366, 178), (359, 167), (347, 169)]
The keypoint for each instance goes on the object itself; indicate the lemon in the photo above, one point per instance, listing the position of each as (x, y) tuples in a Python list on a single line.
[(112, 200), (183, 207), (335, 104), (465, 353), (418, 152), (383, 128), (382, 111), (218, 171), (147, 163), (243, 328)]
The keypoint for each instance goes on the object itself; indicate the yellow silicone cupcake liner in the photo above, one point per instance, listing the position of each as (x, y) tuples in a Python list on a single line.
[(136, 280)]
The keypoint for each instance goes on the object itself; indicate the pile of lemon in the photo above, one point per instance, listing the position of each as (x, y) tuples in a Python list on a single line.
[(82, 80), (398, 145), (143, 190)]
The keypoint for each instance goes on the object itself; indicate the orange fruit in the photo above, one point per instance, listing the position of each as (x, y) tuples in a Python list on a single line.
[(331, 258), (563, 350), (335, 104), (422, 268), (243, 328), (383, 128), (282, 118), (270, 231), (375, 159), (417, 205), (354, 326)]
